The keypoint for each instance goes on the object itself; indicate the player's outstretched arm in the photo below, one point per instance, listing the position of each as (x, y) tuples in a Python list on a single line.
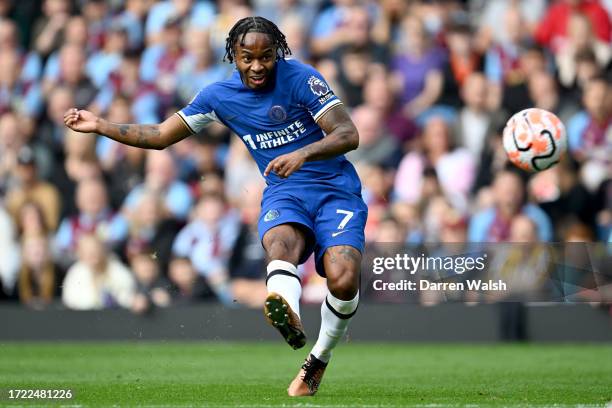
[(157, 136), (342, 137)]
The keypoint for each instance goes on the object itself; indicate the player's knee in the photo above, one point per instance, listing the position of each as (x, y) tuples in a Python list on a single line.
[(285, 244), (283, 250), (343, 281)]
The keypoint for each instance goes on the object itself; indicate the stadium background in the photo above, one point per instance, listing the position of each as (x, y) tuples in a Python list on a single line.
[(166, 239), (429, 85)]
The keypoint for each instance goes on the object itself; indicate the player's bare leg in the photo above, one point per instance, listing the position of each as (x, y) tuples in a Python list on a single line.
[(342, 265), (284, 245)]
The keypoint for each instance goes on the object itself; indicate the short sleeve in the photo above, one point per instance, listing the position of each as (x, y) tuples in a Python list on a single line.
[(199, 112), (314, 93)]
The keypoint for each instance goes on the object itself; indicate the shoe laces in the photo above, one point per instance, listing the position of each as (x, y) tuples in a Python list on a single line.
[(313, 372)]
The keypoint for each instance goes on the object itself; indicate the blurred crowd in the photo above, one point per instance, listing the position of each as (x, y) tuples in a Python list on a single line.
[(429, 84)]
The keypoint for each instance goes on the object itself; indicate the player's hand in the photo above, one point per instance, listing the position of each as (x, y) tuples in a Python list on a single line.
[(80, 120), (286, 164)]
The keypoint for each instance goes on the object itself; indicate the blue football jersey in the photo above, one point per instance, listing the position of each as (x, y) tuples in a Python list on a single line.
[(275, 121)]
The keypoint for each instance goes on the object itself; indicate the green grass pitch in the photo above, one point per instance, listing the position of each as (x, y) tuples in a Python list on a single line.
[(213, 374)]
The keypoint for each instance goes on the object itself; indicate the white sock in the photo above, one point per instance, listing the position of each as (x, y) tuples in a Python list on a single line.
[(283, 279), (333, 327)]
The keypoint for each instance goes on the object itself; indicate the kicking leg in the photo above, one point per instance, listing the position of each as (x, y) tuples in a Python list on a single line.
[(342, 264), (284, 246)]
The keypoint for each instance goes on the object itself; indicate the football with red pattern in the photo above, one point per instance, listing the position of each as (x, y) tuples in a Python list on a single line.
[(534, 139)]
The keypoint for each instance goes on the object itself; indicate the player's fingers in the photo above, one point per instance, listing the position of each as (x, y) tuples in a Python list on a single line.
[(277, 167), (269, 168), (289, 171)]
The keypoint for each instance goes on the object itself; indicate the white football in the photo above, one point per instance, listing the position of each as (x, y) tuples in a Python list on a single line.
[(534, 139)]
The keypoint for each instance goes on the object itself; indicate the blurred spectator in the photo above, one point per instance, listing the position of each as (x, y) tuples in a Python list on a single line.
[(124, 84), (75, 34), (31, 65), (409, 218), (376, 192), (475, 120), (453, 227), (454, 167), (228, 13), (295, 27), (197, 68), (389, 231), (524, 265), (434, 212), (48, 30), (437, 16), (515, 94), (97, 280), (151, 228), (72, 75), (195, 14), (160, 177), (358, 56), (31, 220), (38, 279), (552, 30), (509, 200), (463, 61), (378, 95), (376, 146), (79, 163), (94, 217), (159, 61), (17, 94), (102, 63), (6, 8), (126, 174), (247, 263), (11, 142), (330, 27), (386, 27), (29, 187), (502, 64), (132, 18), (186, 161), (207, 241), (492, 160), (577, 232), (588, 131), (560, 194), (490, 31), (9, 253), (292, 10), (109, 152), (51, 130), (240, 169), (544, 92), (188, 286), (525, 268), (96, 13), (580, 38), (418, 68), (151, 287), (603, 210), (587, 68)]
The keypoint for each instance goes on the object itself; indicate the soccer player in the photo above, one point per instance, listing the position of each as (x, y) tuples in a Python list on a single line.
[(297, 131)]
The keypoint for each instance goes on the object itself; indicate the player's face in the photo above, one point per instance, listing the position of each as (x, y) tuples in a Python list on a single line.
[(255, 60)]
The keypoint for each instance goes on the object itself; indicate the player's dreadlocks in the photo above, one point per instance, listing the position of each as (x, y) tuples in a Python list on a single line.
[(255, 25)]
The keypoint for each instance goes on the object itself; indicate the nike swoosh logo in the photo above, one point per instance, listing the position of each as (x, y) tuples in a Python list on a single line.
[(335, 234)]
